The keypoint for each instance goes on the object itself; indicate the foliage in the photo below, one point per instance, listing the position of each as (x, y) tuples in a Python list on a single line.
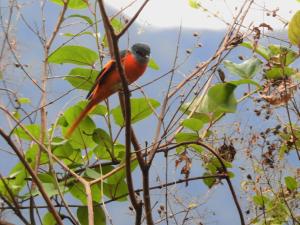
[(241, 128)]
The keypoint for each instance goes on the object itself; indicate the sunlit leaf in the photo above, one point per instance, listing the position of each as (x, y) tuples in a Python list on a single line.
[(194, 4), (82, 78), (33, 129), (73, 54), (219, 98), (86, 18), (78, 34), (246, 69), (100, 136), (82, 136), (73, 4), (186, 137), (209, 182), (92, 173), (116, 190), (278, 72), (141, 108), (259, 49), (244, 81), (291, 183), (117, 25), (99, 215), (24, 100), (48, 219), (193, 124), (282, 55), (294, 29), (153, 65), (260, 200)]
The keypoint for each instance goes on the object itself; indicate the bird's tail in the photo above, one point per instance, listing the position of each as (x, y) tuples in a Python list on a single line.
[(89, 107)]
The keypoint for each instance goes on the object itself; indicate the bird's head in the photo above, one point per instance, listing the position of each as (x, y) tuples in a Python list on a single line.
[(141, 52)]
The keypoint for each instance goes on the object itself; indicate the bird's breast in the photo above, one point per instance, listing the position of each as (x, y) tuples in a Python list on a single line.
[(133, 68)]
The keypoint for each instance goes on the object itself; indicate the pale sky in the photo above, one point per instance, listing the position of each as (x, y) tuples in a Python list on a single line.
[(170, 13)]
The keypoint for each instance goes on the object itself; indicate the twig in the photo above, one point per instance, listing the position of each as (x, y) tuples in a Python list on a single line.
[(33, 175)]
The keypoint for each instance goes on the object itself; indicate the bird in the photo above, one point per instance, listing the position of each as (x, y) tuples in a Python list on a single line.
[(108, 82)]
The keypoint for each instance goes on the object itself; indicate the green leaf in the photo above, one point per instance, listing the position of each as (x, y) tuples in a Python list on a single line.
[(244, 81), (100, 110), (82, 136), (209, 182), (46, 178), (260, 200), (92, 173), (73, 4), (116, 190), (186, 137), (153, 65), (1, 75), (78, 191), (219, 98), (197, 148), (294, 29), (73, 54), (86, 18), (34, 130), (48, 219), (246, 69), (193, 124), (117, 25), (282, 55), (141, 108), (18, 176), (99, 215), (82, 78), (291, 183), (79, 34), (186, 108), (278, 72), (63, 150), (100, 136), (104, 153), (259, 49), (24, 100), (195, 4)]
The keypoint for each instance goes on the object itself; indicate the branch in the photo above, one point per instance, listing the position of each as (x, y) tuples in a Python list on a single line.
[(33, 175), (132, 20), (114, 51), (214, 152)]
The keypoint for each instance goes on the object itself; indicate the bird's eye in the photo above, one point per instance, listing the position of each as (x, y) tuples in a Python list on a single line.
[(140, 53)]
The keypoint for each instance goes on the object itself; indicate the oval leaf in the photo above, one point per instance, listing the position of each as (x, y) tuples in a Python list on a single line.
[(291, 183), (99, 215), (82, 78), (193, 124), (153, 65), (86, 18), (246, 69), (73, 54), (141, 108), (294, 29), (73, 4)]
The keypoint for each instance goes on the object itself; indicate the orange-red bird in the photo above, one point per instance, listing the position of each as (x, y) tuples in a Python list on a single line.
[(109, 81)]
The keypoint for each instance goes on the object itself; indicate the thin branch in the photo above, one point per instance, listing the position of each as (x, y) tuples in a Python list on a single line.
[(33, 175), (132, 20)]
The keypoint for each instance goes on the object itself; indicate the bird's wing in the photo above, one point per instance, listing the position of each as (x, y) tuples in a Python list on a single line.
[(104, 73)]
